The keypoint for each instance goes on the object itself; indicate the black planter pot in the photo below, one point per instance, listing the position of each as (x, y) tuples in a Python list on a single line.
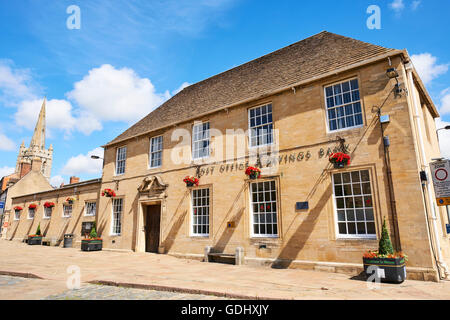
[(189, 184), (254, 176), (391, 270), (339, 165), (91, 245), (32, 241)]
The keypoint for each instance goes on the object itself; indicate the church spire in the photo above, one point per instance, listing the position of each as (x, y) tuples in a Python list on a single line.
[(38, 139)]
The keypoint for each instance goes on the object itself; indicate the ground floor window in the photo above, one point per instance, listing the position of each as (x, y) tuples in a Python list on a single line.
[(47, 213), (354, 204), (200, 212), (117, 216), (67, 211), (31, 213), (264, 209)]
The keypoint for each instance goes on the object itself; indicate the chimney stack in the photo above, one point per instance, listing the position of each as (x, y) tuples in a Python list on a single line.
[(24, 169), (36, 164), (74, 180)]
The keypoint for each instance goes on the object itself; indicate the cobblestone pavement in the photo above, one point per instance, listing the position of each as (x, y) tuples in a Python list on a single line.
[(11, 286)]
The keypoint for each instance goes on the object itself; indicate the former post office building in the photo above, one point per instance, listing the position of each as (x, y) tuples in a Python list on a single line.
[(296, 106)]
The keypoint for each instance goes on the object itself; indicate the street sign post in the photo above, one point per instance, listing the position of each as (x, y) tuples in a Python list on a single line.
[(440, 170)]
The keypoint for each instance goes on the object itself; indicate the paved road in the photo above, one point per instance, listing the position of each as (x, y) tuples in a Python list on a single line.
[(16, 288)]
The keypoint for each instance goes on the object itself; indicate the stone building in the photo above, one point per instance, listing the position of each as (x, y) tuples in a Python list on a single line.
[(32, 174), (285, 113)]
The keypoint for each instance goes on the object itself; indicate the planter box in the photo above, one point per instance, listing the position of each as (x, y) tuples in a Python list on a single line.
[(339, 165), (189, 184), (32, 241), (391, 270), (91, 245)]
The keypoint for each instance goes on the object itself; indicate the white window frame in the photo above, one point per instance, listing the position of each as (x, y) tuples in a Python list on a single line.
[(208, 207), (119, 161), (64, 210), (250, 128), (152, 152), (329, 130), (266, 235), (114, 220), (15, 215), (45, 216), (340, 236), (203, 137), (34, 214), (87, 203)]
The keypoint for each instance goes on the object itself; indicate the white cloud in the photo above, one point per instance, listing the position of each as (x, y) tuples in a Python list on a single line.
[(56, 181), (15, 84), (111, 94), (427, 67), (415, 4), (445, 102), (6, 171), (6, 144), (397, 5), (444, 137), (83, 164)]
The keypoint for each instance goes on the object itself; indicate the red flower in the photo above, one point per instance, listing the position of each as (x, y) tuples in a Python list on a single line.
[(108, 193), (32, 206), (49, 204), (191, 180), (18, 208), (252, 171), (339, 157)]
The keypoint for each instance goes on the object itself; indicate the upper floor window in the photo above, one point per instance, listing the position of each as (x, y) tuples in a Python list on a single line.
[(354, 204), (47, 213), (67, 211), (156, 152), (16, 214), (121, 158), (343, 105), (200, 140), (90, 209), (261, 126), (31, 213)]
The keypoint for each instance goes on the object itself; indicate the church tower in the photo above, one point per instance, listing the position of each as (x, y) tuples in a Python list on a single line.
[(36, 150)]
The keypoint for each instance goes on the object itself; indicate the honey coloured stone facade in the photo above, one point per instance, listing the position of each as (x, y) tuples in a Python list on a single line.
[(299, 172), (63, 218), (315, 97)]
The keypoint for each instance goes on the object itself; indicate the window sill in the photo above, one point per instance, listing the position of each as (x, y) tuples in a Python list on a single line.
[(345, 129), (341, 238)]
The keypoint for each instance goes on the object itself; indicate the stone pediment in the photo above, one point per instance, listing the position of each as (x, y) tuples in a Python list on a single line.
[(153, 186)]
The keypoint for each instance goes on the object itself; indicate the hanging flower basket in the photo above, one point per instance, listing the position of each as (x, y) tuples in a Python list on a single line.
[(18, 208), (253, 173), (191, 181), (70, 200), (49, 204), (339, 159), (32, 206), (108, 193)]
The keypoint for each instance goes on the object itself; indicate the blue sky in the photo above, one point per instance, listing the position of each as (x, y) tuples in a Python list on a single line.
[(130, 56)]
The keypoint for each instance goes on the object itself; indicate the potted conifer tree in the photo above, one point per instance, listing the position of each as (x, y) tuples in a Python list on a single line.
[(390, 266), (92, 242), (35, 239)]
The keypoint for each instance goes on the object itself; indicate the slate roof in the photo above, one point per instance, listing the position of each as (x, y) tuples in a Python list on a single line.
[(303, 60)]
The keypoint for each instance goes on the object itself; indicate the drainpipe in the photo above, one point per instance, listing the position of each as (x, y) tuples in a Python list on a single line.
[(426, 168)]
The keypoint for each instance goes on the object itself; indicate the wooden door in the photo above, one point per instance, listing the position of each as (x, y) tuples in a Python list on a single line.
[(152, 228)]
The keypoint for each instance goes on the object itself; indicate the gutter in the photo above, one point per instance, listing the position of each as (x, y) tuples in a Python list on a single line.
[(263, 95)]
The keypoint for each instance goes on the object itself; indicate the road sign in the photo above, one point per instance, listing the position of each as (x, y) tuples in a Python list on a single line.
[(440, 171), (2, 205)]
